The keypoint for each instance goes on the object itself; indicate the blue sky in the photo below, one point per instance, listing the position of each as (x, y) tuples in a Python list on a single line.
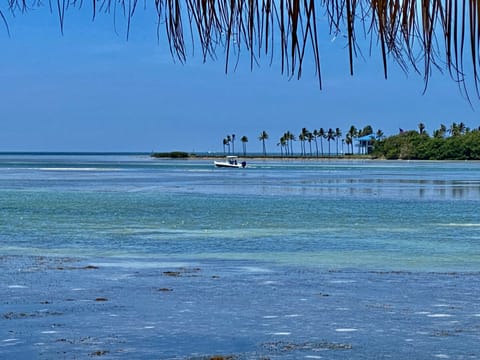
[(91, 90)]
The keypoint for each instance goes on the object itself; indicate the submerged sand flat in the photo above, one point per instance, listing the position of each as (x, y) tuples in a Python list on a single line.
[(80, 308)]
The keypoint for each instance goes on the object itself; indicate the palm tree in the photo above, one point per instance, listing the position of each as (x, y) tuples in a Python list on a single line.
[(338, 135), (367, 130), (440, 132), (229, 140), (290, 138), (397, 26), (443, 129), (349, 141), (283, 143), (330, 136), (321, 135), (421, 128), (244, 141), (225, 143), (379, 135), (353, 133), (309, 139), (306, 134), (315, 136), (263, 136), (233, 144), (454, 129), (304, 137), (301, 138)]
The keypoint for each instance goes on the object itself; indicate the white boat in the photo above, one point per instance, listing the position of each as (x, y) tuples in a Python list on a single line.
[(230, 162)]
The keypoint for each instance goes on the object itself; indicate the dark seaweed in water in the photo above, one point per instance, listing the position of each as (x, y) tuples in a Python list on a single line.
[(284, 346), (254, 310)]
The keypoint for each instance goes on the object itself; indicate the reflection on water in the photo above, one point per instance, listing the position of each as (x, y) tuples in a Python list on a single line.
[(360, 188), (403, 188), (363, 179)]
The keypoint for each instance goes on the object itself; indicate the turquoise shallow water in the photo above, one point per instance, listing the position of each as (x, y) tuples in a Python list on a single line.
[(357, 214), (123, 256)]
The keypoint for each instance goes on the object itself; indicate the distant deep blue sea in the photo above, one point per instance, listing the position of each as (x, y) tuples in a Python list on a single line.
[(326, 259)]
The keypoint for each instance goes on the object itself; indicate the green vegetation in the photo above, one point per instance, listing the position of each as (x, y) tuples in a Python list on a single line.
[(172, 154), (458, 142), (462, 144)]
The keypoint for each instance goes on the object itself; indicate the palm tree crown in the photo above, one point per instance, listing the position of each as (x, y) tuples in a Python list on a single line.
[(263, 136), (244, 141)]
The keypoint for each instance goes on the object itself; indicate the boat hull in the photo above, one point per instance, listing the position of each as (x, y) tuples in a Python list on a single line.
[(227, 165)]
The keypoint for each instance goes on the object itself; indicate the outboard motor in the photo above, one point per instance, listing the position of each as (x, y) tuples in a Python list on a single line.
[(244, 163)]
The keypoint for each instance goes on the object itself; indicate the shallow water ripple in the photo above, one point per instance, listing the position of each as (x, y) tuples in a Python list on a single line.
[(220, 307)]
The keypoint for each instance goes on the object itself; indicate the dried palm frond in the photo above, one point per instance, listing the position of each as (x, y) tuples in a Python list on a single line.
[(422, 35)]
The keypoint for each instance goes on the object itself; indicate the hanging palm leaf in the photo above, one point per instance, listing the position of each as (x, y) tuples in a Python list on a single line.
[(422, 35)]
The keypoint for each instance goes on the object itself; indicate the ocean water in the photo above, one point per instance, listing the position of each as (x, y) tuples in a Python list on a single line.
[(340, 214), (283, 259)]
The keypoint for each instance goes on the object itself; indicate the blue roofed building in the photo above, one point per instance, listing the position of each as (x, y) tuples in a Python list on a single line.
[(365, 144)]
